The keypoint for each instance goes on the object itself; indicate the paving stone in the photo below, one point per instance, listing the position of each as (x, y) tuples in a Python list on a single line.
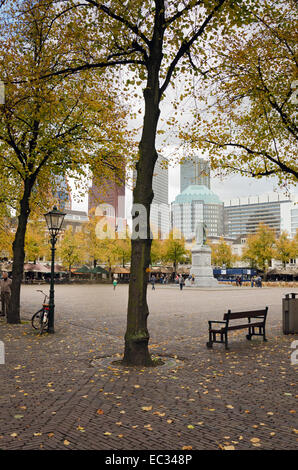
[(67, 389)]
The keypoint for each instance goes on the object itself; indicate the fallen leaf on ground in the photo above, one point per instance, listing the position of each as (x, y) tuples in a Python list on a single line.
[(146, 408)]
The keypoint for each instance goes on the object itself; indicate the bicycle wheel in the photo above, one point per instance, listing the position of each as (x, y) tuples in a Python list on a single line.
[(44, 322), (35, 320)]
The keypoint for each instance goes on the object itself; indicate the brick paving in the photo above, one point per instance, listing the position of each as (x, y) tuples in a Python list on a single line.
[(65, 391)]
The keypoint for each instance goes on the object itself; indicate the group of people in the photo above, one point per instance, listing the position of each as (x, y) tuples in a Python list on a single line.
[(5, 289), (165, 280), (256, 281)]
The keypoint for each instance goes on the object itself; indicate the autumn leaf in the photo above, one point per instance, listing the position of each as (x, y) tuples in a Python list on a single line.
[(146, 408)]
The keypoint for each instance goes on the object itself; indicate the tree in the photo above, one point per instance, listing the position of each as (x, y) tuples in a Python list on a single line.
[(174, 249), (123, 250), (251, 123), (221, 254), (259, 249), (157, 40), (157, 251), (283, 248), (6, 236), (49, 127), (93, 244), (36, 241), (71, 249), (294, 251)]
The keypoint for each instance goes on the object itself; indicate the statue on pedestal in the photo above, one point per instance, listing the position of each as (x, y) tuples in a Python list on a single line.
[(201, 269), (201, 233)]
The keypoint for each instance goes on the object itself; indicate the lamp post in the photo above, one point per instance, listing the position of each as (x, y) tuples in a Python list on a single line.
[(54, 220)]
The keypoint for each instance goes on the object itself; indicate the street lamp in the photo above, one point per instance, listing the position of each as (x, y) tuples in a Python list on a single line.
[(54, 220)]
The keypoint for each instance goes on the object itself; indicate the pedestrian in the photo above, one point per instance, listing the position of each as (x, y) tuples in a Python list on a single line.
[(5, 285), (115, 283), (181, 281), (252, 282), (153, 282)]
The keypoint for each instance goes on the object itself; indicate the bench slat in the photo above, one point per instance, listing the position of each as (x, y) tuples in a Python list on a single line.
[(251, 314), (238, 327)]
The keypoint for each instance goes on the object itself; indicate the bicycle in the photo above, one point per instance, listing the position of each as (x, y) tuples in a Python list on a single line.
[(40, 319)]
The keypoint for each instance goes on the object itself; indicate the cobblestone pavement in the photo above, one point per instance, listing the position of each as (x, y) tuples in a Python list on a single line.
[(65, 391)]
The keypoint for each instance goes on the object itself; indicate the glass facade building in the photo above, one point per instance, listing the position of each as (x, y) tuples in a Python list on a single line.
[(62, 193), (280, 214), (160, 209), (294, 220), (194, 172)]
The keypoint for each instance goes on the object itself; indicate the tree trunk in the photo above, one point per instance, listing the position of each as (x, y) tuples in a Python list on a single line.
[(136, 352), (19, 256)]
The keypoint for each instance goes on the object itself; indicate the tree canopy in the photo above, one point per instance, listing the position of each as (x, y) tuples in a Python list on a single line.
[(259, 249), (249, 123), (52, 126)]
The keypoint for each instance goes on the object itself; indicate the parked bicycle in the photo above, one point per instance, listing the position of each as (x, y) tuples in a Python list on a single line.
[(40, 319)]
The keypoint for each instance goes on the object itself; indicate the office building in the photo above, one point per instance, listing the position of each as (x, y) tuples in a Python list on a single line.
[(197, 203), (195, 171), (75, 220), (243, 216), (160, 209), (110, 193), (62, 193)]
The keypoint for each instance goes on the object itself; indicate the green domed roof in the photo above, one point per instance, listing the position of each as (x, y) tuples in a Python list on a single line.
[(197, 192)]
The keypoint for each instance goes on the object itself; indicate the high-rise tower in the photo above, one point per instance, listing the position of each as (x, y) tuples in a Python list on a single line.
[(194, 172)]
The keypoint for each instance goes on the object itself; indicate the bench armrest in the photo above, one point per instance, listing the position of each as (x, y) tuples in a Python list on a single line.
[(216, 321)]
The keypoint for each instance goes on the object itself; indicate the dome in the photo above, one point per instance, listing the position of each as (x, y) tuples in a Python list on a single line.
[(197, 192)]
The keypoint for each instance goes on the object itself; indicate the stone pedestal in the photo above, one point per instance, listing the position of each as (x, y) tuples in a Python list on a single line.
[(201, 267)]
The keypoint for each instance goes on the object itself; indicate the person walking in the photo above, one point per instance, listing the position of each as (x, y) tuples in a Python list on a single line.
[(153, 282), (115, 283), (5, 288), (181, 281)]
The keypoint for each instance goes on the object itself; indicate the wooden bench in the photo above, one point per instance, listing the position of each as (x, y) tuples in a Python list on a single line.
[(252, 327)]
